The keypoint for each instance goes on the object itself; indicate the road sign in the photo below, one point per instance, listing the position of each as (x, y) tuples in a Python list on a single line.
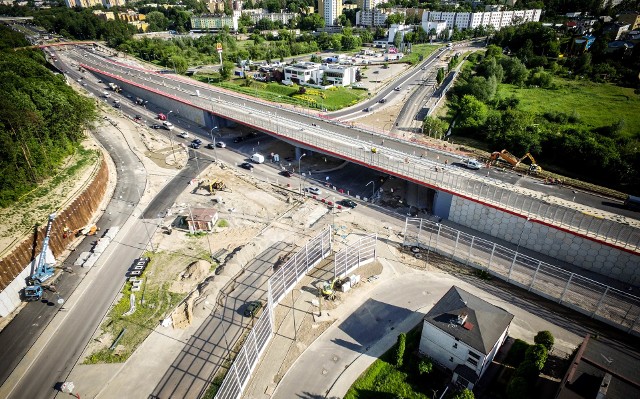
[(219, 47)]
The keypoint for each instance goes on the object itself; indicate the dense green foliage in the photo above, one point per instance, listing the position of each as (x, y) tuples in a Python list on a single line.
[(416, 378), (41, 118), (544, 338), (485, 108), (400, 347), (529, 360)]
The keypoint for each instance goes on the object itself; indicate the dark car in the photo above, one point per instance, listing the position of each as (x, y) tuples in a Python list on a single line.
[(195, 145), (347, 203), (138, 117), (247, 166), (255, 133), (219, 270), (197, 141), (238, 139), (383, 100), (155, 126), (211, 146), (286, 173), (252, 308)]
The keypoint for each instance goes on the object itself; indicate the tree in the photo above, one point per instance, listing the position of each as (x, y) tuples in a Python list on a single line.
[(157, 21), (397, 39), (434, 127), (227, 70), (312, 22), (473, 112), (464, 394), (401, 345), (518, 388), (425, 366), (537, 354), (440, 76), (179, 63), (366, 36), (515, 71)]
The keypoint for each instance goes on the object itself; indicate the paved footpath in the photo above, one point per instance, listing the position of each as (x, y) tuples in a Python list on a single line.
[(367, 324)]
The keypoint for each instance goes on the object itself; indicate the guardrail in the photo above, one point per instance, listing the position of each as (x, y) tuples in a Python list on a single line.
[(589, 297), (596, 225)]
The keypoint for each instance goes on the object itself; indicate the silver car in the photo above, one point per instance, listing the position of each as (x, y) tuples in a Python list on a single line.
[(313, 190)]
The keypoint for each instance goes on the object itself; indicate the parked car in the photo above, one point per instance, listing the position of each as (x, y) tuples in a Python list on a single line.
[(184, 135), (220, 144), (246, 166), (286, 173), (313, 190), (252, 308), (347, 203)]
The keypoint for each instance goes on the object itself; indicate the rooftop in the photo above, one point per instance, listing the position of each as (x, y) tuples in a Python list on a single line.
[(472, 320)]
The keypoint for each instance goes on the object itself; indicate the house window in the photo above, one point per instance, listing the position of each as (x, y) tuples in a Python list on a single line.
[(473, 358)]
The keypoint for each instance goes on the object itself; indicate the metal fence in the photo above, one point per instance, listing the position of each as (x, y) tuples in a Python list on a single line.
[(589, 297), (355, 255), (409, 165)]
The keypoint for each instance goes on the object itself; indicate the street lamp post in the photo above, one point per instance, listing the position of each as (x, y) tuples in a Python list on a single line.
[(300, 170), (213, 139), (373, 189), (173, 151)]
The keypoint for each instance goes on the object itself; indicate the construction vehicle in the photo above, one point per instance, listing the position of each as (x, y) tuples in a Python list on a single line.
[(328, 289), (511, 159), (115, 87), (42, 271)]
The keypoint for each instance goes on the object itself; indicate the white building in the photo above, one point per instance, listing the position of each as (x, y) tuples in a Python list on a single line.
[(373, 17), (330, 10), (366, 5), (467, 20), (310, 73), (463, 334), (258, 14), (439, 26), (395, 28)]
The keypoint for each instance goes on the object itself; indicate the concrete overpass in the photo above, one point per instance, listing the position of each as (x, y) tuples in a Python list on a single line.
[(593, 239)]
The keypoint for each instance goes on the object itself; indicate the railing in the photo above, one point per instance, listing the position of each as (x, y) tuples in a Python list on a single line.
[(598, 225), (355, 255), (589, 297)]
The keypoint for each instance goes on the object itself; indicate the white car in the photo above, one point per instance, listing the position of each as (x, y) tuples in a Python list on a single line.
[(313, 190), (184, 135), (220, 144), (398, 88), (471, 163), (167, 125)]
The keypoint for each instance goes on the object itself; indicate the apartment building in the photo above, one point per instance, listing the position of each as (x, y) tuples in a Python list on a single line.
[(330, 11), (496, 19)]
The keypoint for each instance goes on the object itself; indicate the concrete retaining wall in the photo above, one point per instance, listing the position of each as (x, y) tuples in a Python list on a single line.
[(582, 252)]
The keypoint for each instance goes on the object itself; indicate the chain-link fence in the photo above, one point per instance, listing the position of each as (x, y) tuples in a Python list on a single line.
[(404, 161), (579, 293), (355, 255)]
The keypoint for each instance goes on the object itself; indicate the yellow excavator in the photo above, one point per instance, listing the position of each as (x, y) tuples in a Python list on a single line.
[(514, 161), (328, 289)]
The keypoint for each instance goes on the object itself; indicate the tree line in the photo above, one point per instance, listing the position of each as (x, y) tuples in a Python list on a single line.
[(603, 155), (42, 120)]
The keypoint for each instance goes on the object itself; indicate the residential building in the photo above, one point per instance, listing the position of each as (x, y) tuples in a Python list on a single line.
[(496, 19), (201, 219), (630, 18), (618, 29), (258, 14), (463, 333), (438, 26), (214, 22), (93, 3), (215, 6), (373, 17), (310, 73), (599, 370), (330, 10), (104, 15), (131, 16), (367, 5), (395, 28)]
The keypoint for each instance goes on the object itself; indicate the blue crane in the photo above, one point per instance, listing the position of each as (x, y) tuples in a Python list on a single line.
[(43, 271)]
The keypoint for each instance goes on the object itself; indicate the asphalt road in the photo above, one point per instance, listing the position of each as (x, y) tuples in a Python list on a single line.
[(411, 149)]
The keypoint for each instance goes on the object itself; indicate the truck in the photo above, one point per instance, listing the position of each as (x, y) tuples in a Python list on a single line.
[(115, 87), (257, 158)]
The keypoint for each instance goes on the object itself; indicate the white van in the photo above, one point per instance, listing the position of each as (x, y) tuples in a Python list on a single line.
[(257, 158), (471, 163), (167, 125), (106, 94)]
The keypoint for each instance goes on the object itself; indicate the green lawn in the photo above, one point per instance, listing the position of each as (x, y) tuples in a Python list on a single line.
[(384, 380), (332, 99), (597, 104), (417, 50)]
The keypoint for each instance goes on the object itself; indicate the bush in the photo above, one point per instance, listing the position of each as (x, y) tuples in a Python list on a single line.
[(536, 354), (528, 370), (516, 353), (544, 338), (464, 394), (517, 388), (402, 343), (425, 366)]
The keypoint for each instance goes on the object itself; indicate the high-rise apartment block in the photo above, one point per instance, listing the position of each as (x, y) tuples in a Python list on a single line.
[(330, 10)]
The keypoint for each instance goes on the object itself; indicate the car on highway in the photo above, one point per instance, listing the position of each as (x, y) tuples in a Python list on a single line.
[(252, 308), (184, 135), (195, 145), (238, 139), (197, 141), (246, 166), (382, 100), (138, 117), (220, 144), (155, 126), (169, 126), (286, 173), (313, 190), (471, 163), (398, 88), (347, 203), (117, 105)]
